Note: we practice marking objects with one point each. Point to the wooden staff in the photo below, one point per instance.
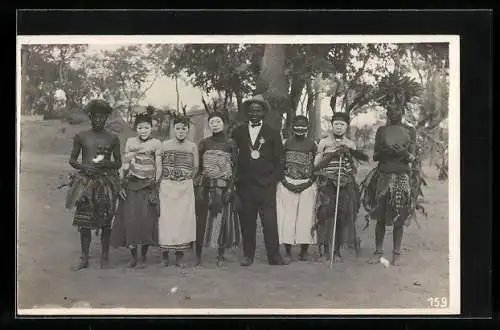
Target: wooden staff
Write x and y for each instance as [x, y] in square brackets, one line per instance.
[336, 214]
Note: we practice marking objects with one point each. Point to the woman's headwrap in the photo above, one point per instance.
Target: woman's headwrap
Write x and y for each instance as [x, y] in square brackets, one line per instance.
[143, 118]
[343, 116]
[98, 106]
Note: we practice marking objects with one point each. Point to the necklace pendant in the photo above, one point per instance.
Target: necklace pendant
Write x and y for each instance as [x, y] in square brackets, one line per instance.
[255, 154]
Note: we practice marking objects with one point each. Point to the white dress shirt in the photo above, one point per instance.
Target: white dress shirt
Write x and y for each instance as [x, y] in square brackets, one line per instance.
[254, 132]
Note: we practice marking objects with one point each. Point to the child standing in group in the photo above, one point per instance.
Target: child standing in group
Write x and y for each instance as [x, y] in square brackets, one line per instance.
[177, 222]
[137, 220]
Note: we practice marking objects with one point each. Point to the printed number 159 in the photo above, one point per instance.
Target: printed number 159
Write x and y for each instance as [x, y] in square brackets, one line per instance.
[438, 302]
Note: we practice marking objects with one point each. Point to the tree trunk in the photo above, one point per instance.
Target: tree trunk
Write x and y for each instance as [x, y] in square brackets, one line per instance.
[24, 83]
[315, 116]
[273, 76]
[239, 103]
[177, 92]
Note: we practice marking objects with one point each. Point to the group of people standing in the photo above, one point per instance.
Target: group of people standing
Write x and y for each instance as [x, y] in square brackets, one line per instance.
[179, 195]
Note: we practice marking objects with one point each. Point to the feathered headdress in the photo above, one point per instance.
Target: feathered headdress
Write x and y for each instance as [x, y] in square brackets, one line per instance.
[399, 89]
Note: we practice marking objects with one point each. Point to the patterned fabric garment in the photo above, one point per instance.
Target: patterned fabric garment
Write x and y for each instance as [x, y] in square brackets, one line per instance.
[95, 199]
[395, 188]
[331, 171]
[348, 207]
[387, 196]
[143, 166]
[298, 164]
[217, 164]
[217, 219]
[177, 165]
[140, 157]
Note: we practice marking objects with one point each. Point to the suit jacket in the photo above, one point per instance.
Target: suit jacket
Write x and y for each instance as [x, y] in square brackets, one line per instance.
[268, 169]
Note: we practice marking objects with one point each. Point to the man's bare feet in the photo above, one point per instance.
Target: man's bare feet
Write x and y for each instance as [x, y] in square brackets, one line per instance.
[220, 261]
[142, 264]
[84, 263]
[132, 263]
[395, 259]
[304, 256]
[104, 262]
[337, 258]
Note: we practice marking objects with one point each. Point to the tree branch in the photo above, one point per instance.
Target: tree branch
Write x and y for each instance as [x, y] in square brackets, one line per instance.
[412, 61]
[156, 76]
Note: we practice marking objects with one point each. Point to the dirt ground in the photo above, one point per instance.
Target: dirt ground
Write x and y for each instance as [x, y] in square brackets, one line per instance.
[48, 245]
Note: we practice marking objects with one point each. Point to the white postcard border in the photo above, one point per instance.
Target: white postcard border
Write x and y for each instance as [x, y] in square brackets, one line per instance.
[454, 160]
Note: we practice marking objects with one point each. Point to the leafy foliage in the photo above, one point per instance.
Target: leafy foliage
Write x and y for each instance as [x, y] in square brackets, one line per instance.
[398, 88]
[215, 67]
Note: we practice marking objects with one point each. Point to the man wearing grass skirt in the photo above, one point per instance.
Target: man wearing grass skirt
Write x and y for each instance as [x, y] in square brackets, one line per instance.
[94, 189]
[387, 189]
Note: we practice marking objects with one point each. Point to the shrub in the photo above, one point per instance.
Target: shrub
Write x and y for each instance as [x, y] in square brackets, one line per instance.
[76, 116]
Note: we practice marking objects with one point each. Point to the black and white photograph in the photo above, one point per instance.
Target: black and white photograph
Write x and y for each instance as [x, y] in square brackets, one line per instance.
[263, 174]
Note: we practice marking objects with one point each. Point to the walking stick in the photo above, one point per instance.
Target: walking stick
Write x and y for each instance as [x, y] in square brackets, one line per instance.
[332, 248]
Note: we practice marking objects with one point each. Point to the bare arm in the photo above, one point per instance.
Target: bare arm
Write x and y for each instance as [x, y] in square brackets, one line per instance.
[158, 161]
[126, 165]
[412, 147]
[75, 153]
[117, 156]
[378, 145]
[129, 153]
[196, 160]
[319, 152]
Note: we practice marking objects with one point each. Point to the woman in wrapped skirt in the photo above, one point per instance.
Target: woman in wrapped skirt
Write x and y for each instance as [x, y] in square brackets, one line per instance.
[137, 219]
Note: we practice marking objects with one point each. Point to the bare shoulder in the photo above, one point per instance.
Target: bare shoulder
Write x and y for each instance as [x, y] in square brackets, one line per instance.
[84, 134]
[350, 143]
[410, 129]
[167, 143]
[156, 143]
[112, 136]
[192, 145]
[323, 142]
[130, 140]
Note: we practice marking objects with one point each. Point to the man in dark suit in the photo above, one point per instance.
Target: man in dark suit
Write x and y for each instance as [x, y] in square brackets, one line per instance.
[260, 152]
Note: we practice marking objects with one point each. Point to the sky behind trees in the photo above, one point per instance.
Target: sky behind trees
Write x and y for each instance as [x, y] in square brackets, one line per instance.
[163, 93]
